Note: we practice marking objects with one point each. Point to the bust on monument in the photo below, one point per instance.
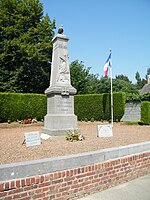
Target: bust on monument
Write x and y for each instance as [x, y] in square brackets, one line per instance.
[60, 30]
[60, 94]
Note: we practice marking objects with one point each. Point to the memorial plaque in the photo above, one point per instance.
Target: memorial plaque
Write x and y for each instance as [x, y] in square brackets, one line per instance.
[32, 139]
[104, 130]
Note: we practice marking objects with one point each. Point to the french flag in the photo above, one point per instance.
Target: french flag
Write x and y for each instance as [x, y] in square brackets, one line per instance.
[107, 64]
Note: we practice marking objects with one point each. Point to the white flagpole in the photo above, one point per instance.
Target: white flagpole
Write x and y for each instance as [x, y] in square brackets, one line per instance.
[111, 93]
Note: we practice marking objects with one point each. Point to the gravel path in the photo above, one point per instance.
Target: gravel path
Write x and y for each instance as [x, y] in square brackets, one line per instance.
[12, 136]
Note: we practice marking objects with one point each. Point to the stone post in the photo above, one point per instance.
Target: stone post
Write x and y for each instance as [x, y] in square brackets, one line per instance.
[60, 95]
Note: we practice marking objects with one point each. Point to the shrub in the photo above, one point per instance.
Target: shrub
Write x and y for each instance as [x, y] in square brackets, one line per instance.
[89, 106]
[98, 106]
[145, 113]
[119, 103]
[21, 106]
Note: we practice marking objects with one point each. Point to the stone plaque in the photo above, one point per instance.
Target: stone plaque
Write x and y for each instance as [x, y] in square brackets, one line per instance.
[104, 130]
[32, 139]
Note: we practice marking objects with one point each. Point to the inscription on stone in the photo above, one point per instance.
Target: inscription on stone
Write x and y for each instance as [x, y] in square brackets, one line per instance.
[62, 46]
[32, 139]
[104, 130]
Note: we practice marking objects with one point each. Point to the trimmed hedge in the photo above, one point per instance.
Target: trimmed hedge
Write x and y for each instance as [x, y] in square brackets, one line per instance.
[87, 107]
[19, 106]
[98, 106]
[145, 113]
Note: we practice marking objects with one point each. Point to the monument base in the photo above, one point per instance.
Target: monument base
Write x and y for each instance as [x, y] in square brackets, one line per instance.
[55, 125]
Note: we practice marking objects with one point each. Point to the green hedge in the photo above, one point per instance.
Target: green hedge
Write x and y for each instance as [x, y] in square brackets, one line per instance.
[95, 106]
[15, 106]
[145, 113]
[89, 106]
[98, 106]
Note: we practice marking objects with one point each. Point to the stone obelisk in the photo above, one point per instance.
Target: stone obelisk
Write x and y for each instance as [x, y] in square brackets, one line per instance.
[60, 95]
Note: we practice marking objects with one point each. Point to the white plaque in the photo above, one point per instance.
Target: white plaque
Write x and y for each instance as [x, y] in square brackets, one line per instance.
[32, 139]
[104, 130]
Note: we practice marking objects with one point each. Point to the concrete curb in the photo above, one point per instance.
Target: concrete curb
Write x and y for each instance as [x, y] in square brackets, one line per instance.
[43, 166]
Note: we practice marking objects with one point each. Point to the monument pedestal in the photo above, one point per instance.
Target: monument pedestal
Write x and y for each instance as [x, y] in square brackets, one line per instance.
[60, 113]
[60, 116]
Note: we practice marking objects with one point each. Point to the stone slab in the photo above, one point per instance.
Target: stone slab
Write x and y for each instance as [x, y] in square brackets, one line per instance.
[104, 130]
[32, 138]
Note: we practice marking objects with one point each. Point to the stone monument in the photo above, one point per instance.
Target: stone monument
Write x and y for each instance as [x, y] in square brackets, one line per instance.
[60, 95]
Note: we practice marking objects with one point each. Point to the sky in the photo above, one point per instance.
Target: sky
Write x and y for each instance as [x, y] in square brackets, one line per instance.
[95, 26]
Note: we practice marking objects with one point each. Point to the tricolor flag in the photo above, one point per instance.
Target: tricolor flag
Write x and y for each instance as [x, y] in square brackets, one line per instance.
[107, 64]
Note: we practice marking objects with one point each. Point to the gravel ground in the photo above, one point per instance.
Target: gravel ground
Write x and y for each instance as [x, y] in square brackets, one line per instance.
[12, 136]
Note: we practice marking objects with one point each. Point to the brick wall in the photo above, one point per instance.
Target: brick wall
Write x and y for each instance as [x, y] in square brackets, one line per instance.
[76, 182]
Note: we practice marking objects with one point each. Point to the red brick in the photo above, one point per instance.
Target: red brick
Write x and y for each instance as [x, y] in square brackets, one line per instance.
[3, 194]
[16, 196]
[39, 196]
[47, 177]
[15, 191]
[30, 187]
[117, 166]
[44, 184]
[42, 179]
[60, 198]
[1, 186]
[27, 181]
[52, 197]
[64, 189]
[45, 189]
[63, 174]
[22, 182]
[32, 180]
[52, 188]
[51, 176]
[6, 186]
[67, 173]
[75, 171]
[18, 183]
[8, 198]
[24, 194]
[26, 198]
[57, 181]
[69, 179]
[37, 179]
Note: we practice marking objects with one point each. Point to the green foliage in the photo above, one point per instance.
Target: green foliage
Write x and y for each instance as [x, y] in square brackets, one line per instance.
[119, 85]
[26, 47]
[89, 106]
[119, 102]
[82, 80]
[140, 82]
[20, 106]
[145, 97]
[97, 106]
[145, 113]
[137, 97]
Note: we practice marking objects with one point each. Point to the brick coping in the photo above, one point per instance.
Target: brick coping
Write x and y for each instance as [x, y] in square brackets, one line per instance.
[47, 165]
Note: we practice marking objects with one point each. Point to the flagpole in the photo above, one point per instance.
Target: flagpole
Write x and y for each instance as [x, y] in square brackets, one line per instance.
[111, 92]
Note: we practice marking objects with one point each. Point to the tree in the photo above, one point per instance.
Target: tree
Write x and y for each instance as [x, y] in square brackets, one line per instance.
[104, 85]
[140, 82]
[82, 80]
[26, 47]
[119, 85]
[122, 85]
[123, 77]
[79, 76]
